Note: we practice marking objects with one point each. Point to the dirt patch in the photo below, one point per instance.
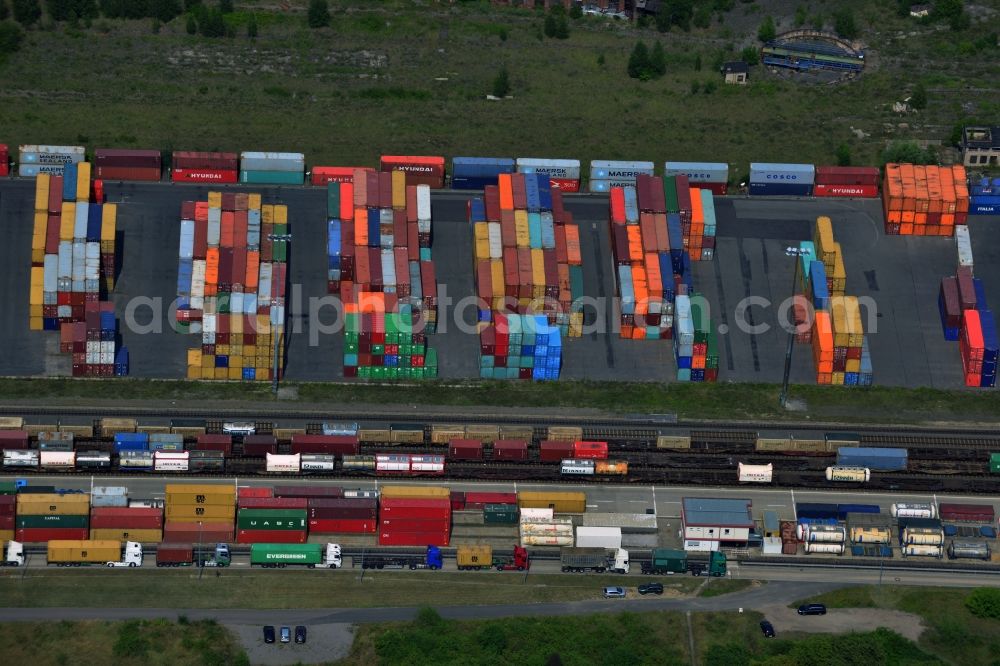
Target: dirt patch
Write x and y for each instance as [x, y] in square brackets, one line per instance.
[324, 643]
[842, 620]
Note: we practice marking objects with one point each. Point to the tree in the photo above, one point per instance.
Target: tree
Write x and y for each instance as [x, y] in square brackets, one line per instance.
[600, 60]
[679, 13]
[907, 152]
[703, 17]
[319, 14]
[60, 10]
[843, 155]
[984, 602]
[550, 26]
[562, 28]
[4, 12]
[844, 25]
[638, 62]
[767, 31]
[165, 10]
[800, 16]
[11, 36]
[27, 12]
[918, 100]
[501, 84]
[658, 60]
[697, 63]
[192, 25]
[252, 27]
[576, 11]
[226, 6]
[750, 55]
[191, 4]
[211, 23]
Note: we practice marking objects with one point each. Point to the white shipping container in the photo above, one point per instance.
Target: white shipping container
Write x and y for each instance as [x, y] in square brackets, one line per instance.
[208, 323]
[547, 540]
[57, 458]
[388, 268]
[20, 458]
[250, 304]
[214, 226]
[50, 273]
[700, 545]
[599, 537]
[528, 515]
[423, 202]
[171, 461]
[427, 463]
[315, 462]
[236, 301]
[495, 240]
[264, 284]
[554, 168]
[922, 551]
[964, 243]
[80, 222]
[187, 239]
[197, 280]
[698, 172]
[755, 473]
[619, 170]
[284, 463]
[41, 154]
[539, 529]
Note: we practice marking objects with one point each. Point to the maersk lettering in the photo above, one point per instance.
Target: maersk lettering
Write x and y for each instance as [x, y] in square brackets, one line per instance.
[624, 174]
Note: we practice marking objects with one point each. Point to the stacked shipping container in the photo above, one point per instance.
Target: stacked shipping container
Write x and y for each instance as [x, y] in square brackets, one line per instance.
[144, 525]
[475, 173]
[34, 160]
[527, 252]
[966, 317]
[193, 167]
[696, 346]
[199, 513]
[343, 515]
[72, 268]
[323, 175]
[924, 200]
[272, 520]
[272, 168]
[605, 174]
[4, 160]
[47, 516]
[418, 170]
[414, 516]
[781, 179]
[711, 176]
[8, 510]
[984, 197]
[231, 285]
[127, 164]
[385, 345]
[562, 174]
[520, 347]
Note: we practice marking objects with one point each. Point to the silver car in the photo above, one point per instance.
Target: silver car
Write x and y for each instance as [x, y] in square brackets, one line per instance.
[614, 593]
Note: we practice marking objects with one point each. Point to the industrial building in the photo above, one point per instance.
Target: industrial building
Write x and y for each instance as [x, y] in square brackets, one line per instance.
[714, 523]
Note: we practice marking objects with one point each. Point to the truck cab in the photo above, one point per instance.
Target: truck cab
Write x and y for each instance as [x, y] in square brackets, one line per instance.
[434, 559]
[332, 556]
[620, 561]
[222, 556]
[131, 556]
[13, 554]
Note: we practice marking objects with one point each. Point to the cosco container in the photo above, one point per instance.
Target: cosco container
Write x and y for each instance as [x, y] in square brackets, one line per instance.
[765, 172]
[698, 172]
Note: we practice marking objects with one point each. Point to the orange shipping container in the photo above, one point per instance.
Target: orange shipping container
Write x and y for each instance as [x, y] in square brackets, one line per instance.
[634, 234]
[506, 192]
[253, 270]
[347, 202]
[361, 227]
[697, 214]
[573, 245]
[226, 231]
[211, 267]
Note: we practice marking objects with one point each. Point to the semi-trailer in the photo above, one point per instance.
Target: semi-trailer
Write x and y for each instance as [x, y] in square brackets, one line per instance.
[430, 560]
[84, 553]
[186, 555]
[312, 555]
[599, 560]
[483, 557]
[666, 562]
[13, 555]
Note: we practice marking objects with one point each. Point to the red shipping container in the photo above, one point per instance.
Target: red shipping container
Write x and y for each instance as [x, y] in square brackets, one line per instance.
[321, 175]
[127, 157]
[845, 190]
[259, 445]
[270, 536]
[255, 492]
[465, 449]
[847, 175]
[590, 450]
[420, 170]
[970, 513]
[342, 526]
[334, 444]
[417, 511]
[7, 502]
[174, 553]
[222, 443]
[457, 500]
[413, 539]
[188, 532]
[122, 517]
[510, 449]
[4, 160]
[343, 513]
[565, 184]
[7, 521]
[127, 173]
[273, 503]
[309, 491]
[555, 451]
[13, 439]
[204, 175]
[480, 500]
[41, 534]
[183, 159]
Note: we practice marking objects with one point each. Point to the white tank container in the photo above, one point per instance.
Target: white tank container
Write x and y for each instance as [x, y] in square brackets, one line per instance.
[756, 473]
[821, 533]
[921, 551]
[855, 474]
[913, 510]
[827, 548]
[923, 536]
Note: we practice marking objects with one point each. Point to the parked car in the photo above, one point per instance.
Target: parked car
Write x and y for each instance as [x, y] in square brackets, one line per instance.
[767, 629]
[268, 634]
[286, 635]
[300, 634]
[651, 588]
[614, 593]
[812, 609]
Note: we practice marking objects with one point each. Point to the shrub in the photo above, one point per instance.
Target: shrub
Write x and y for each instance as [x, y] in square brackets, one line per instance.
[984, 602]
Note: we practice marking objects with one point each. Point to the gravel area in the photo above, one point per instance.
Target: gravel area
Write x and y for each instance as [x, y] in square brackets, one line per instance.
[841, 620]
[324, 643]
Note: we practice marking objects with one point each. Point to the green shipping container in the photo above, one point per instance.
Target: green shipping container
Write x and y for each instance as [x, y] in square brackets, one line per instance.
[271, 519]
[272, 177]
[28, 521]
[333, 200]
[8, 488]
[500, 514]
[286, 553]
[670, 195]
[995, 463]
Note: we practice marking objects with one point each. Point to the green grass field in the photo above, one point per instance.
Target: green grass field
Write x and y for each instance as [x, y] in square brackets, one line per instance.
[303, 589]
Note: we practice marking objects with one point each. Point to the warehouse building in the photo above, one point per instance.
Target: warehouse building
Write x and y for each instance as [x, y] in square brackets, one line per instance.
[981, 146]
[713, 523]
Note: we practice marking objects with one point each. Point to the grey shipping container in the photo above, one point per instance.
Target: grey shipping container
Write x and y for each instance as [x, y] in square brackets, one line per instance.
[881, 459]
[698, 172]
[255, 161]
[765, 172]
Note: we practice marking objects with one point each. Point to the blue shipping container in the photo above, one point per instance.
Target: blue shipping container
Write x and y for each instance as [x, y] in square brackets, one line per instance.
[816, 511]
[877, 459]
[481, 167]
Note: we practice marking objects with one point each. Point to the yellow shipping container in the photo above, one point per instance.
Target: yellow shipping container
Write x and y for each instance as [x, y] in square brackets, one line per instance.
[215, 199]
[234, 373]
[838, 379]
[35, 311]
[194, 372]
[194, 512]
[481, 241]
[483, 433]
[399, 190]
[267, 214]
[35, 293]
[76, 499]
[42, 192]
[208, 361]
[253, 201]
[526, 433]
[40, 227]
[154, 430]
[84, 551]
[222, 350]
[560, 502]
[852, 365]
[838, 316]
[112, 534]
[53, 508]
[109, 222]
[83, 182]
[565, 433]
[5, 536]
[496, 277]
[78, 430]
[537, 268]
[194, 356]
[286, 433]
[280, 214]
[522, 237]
[195, 490]
[474, 557]
[416, 492]
[208, 373]
[11, 422]
[67, 221]
[111, 426]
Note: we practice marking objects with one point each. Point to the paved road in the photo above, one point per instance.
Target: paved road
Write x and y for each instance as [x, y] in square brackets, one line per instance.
[766, 595]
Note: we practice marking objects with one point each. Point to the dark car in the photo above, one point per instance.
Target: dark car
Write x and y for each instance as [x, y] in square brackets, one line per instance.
[286, 635]
[651, 588]
[300, 634]
[268, 634]
[767, 629]
[812, 609]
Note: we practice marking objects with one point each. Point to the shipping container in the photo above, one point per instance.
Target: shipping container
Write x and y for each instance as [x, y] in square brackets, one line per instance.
[763, 172]
[970, 513]
[560, 502]
[698, 172]
[878, 459]
[81, 551]
[335, 444]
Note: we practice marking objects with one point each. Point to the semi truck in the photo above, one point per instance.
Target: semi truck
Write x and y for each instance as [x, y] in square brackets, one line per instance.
[665, 562]
[430, 560]
[186, 555]
[599, 560]
[83, 553]
[715, 566]
[312, 555]
[13, 555]
[482, 557]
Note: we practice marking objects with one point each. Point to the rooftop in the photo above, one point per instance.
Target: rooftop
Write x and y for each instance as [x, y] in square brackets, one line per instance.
[982, 137]
[735, 67]
[717, 511]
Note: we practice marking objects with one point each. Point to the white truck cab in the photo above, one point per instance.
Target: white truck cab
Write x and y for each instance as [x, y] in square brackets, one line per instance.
[131, 556]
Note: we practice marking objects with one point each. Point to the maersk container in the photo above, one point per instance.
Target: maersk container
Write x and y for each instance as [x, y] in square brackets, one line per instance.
[874, 458]
[258, 161]
[781, 189]
[605, 184]
[33, 154]
[272, 177]
[619, 170]
[698, 172]
[766, 172]
[554, 168]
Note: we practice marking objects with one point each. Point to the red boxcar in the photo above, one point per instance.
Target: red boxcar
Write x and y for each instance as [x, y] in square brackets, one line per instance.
[259, 445]
[969, 513]
[510, 449]
[13, 439]
[590, 450]
[329, 444]
[222, 443]
[465, 449]
[555, 451]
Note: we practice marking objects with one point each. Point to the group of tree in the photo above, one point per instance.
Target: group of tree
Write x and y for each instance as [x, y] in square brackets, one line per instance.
[556, 25]
[29, 12]
[646, 65]
[319, 14]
